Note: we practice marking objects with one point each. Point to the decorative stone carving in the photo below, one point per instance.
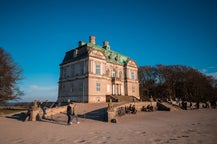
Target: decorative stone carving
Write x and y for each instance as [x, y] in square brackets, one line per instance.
[97, 54]
[110, 106]
[131, 63]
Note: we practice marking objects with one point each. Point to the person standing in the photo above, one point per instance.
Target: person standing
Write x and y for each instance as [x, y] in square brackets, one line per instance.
[69, 113]
[75, 113]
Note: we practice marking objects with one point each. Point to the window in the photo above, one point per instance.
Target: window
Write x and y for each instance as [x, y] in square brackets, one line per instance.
[97, 86]
[80, 69]
[72, 88]
[75, 53]
[133, 89]
[72, 70]
[64, 74]
[81, 87]
[63, 87]
[113, 73]
[98, 69]
[132, 76]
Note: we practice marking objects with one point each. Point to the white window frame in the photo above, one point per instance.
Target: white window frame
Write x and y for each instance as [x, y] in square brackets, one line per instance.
[98, 69]
[132, 75]
[113, 73]
[98, 87]
[133, 89]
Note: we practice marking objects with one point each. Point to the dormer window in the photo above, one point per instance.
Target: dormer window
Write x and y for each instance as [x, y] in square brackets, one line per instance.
[75, 53]
[117, 58]
[110, 56]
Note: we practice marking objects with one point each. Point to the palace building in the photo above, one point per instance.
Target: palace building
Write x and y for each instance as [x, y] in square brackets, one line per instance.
[90, 73]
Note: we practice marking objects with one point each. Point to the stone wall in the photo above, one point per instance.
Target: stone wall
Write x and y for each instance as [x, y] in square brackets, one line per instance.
[37, 113]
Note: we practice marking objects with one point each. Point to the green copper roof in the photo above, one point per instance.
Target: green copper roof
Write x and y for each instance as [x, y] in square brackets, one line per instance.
[112, 56]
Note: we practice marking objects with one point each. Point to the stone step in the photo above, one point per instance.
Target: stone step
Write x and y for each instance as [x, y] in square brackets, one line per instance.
[172, 107]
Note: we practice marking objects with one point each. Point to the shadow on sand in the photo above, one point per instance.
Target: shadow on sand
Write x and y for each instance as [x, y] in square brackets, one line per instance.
[18, 116]
[98, 115]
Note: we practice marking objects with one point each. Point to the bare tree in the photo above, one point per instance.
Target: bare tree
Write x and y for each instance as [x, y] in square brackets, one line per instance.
[176, 81]
[10, 73]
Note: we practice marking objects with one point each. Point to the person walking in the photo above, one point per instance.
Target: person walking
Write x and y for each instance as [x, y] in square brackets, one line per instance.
[75, 113]
[69, 113]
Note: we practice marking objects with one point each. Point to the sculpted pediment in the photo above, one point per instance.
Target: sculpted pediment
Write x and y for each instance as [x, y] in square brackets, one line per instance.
[98, 54]
[131, 63]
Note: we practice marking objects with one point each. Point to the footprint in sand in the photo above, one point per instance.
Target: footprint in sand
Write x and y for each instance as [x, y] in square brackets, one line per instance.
[143, 133]
[19, 141]
[183, 136]
[106, 137]
[79, 141]
[157, 140]
[173, 139]
[191, 130]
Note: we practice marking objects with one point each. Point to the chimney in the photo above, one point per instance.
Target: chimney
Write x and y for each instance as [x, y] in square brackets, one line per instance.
[105, 44]
[92, 39]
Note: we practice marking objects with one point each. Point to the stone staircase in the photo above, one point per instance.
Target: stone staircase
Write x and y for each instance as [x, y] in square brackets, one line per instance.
[115, 98]
[171, 106]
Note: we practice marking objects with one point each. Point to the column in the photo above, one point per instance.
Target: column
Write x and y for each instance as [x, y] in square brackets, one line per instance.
[113, 89]
[120, 90]
[117, 89]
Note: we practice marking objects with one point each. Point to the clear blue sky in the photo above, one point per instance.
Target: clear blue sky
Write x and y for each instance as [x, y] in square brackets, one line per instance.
[37, 33]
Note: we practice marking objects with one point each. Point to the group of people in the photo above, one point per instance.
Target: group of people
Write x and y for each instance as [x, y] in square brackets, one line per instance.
[149, 108]
[72, 113]
[126, 110]
[131, 109]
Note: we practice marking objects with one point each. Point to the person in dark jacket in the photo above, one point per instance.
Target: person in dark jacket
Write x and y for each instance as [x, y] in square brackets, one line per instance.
[69, 114]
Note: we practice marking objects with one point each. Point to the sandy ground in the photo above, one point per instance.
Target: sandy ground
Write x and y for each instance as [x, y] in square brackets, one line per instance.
[182, 127]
